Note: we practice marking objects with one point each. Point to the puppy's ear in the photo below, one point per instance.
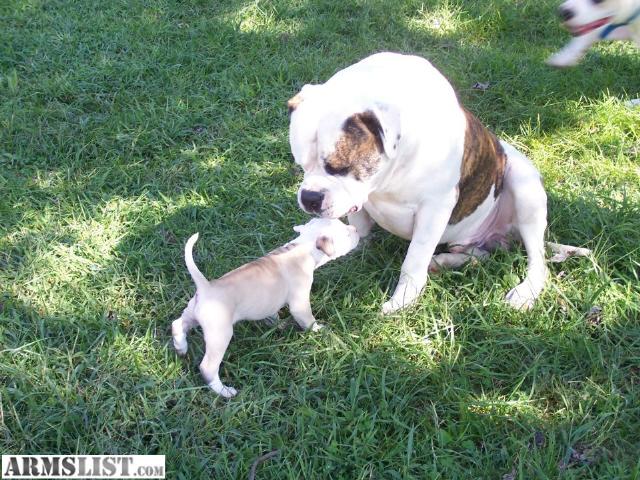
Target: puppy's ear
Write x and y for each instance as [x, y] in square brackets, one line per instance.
[303, 94]
[298, 228]
[325, 244]
[384, 123]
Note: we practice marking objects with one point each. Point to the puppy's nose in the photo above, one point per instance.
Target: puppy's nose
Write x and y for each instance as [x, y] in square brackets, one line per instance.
[566, 14]
[311, 201]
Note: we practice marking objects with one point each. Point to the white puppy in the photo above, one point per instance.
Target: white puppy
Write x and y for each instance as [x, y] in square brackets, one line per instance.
[386, 141]
[590, 21]
[258, 290]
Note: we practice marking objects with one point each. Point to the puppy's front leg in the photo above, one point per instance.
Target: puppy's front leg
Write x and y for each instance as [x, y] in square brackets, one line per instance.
[362, 221]
[571, 54]
[300, 308]
[429, 225]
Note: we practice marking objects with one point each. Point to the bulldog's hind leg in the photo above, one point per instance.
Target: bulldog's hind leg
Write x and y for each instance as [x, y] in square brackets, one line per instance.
[523, 182]
[562, 252]
[454, 260]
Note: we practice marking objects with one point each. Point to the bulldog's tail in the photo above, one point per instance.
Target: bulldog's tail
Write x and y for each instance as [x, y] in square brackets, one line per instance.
[562, 252]
[198, 278]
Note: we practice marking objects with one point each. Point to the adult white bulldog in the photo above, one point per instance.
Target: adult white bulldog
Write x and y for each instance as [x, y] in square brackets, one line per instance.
[590, 21]
[386, 141]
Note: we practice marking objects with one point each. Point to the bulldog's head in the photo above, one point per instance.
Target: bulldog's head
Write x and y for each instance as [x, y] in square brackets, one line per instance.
[583, 16]
[341, 146]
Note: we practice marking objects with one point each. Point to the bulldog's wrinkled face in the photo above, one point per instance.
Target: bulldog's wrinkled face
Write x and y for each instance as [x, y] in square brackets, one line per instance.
[340, 152]
[583, 16]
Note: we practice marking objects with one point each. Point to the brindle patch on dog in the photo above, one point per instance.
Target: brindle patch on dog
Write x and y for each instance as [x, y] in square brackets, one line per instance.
[483, 164]
[358, 149]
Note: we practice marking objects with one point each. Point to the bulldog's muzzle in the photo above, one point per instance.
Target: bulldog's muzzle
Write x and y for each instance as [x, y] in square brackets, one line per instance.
[311, 201]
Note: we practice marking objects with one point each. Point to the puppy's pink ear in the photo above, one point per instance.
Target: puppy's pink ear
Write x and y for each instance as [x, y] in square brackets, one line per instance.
[298, 228]
[325, 244]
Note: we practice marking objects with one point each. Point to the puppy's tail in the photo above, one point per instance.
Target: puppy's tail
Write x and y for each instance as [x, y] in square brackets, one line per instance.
[198, 278]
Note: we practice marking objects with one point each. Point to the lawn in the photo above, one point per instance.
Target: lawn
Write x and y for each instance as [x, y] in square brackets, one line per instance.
[126, 126]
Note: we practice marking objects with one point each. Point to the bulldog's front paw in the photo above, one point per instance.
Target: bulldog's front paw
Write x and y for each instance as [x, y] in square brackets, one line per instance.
[521, 297]
[563, 59]
[391, 306]
[316, 327]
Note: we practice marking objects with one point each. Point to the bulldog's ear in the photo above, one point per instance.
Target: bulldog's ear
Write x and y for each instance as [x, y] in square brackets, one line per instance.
[302, 95]
[293, 102]
[298, 228]
[325, 244]
[384, 124]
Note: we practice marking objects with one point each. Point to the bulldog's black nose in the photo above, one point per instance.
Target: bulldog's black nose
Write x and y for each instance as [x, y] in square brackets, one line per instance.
[566, 14]
[311, 201]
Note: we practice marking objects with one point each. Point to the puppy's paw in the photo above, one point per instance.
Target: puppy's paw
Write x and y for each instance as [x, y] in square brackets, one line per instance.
[180, 344]
[563, 59]
[228, 392]
[316, 327]
[223, 390]
[521, 297]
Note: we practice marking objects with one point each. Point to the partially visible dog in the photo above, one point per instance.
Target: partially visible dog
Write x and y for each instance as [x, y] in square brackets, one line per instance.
[386, 141]
[258, 290]
[590, 21]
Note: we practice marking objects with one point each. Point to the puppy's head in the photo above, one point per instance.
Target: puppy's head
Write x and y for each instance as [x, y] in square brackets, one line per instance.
[341, 146]
[583, 16]
[330, 236]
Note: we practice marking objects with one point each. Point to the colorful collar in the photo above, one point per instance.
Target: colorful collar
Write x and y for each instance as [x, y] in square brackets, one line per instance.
[611, 27]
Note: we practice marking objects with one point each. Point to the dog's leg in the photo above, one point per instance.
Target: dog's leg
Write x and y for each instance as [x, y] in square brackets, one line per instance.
[562, 252]
[300, 307]
[530, 204]
[181, 326]
[362, 221]
[429, 225]
[573, 52]
[217, 335]
[455, 260]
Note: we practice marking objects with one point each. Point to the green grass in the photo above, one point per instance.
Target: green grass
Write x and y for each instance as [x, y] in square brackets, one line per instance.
[127, 126]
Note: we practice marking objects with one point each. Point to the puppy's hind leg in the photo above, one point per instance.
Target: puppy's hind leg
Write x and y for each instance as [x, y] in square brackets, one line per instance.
[181, 326]
[217, 326]
[530, 204]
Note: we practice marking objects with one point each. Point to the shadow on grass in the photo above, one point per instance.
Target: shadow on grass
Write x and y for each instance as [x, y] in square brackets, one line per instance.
[466, 402]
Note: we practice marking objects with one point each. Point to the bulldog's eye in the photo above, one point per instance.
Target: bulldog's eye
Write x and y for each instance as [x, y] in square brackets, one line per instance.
[331, 170]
